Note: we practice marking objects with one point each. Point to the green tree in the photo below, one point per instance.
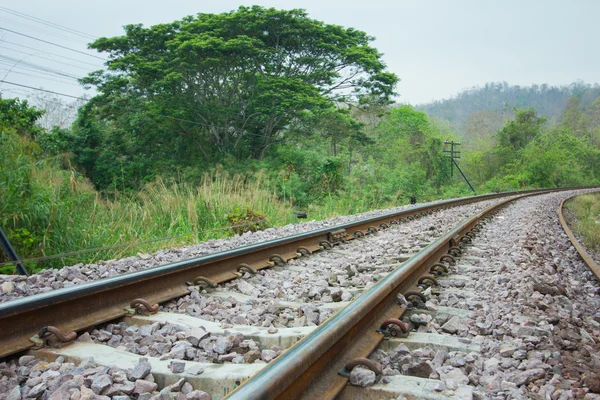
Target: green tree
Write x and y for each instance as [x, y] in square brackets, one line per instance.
[525, 127]
[574, 120]
[17, 114]
[242, 77]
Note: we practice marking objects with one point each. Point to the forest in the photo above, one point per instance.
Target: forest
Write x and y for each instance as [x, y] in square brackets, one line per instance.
[218, 124]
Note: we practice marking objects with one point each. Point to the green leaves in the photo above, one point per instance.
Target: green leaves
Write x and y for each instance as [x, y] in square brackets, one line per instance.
[233, 81]
[524, 128]
[18, 115]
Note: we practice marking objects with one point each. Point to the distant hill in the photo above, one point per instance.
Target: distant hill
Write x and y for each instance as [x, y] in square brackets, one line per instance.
[493, 103]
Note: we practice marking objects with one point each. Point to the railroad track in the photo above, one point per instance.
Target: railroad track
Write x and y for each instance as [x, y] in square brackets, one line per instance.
[317, 366]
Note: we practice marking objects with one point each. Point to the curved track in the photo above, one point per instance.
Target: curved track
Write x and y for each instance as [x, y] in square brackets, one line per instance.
[594, 267]
[319, 364]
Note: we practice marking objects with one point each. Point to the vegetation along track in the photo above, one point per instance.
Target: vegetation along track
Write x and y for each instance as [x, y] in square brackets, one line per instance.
[309, 369]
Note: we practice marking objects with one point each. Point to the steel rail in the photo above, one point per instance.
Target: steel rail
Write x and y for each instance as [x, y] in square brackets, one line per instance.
[587, 259]
[310, 369]
[85, 305]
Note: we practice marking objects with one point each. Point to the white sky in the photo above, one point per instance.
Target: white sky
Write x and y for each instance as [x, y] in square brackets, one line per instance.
[436, 47]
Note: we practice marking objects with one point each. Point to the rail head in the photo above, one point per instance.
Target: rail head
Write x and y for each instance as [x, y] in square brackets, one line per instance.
[302, 368]
[84, 305]
[85, 289]
[585, 256]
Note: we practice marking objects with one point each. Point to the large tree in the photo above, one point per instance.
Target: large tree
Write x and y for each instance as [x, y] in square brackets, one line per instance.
[230, 83]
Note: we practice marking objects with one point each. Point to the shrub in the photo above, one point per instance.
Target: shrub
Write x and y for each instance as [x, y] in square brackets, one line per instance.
[246, 220]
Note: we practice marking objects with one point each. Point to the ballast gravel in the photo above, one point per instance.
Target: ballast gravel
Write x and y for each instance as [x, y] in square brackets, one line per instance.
[317, 281]
[30, 378]
[534, 305]
[15, 286]
[340, 275]
[171, 342]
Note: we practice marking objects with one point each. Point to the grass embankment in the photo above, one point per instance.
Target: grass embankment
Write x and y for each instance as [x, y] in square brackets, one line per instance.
[61, 213]
[585, 210]
[47, 209]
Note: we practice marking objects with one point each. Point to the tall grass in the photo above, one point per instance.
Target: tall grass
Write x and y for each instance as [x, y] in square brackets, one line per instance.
[586, 210]
[47, 210]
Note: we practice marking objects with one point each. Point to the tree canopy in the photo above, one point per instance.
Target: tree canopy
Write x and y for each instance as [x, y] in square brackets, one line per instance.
[213, 85]
[19, 115]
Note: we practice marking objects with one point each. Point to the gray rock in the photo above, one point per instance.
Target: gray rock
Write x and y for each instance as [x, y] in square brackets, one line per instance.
[402, 349]
[198, 395]
[457, 361]
[507, 351]
[25, 360]
[165, 394]
[268, 355]
[142, 386]
[101, 382]
[222, 345]
[421, 319]
[15, 393]
[422, 369]
[195, 369]
[104, 335]
[125, 387]
[454, 374]
[452, 325]
[141, 370]
[37, 390]
[195, 335]
[177, 367]
[246, 288]
[7, 287]
[176, 387]
[525, 377]
[88, 363]
[362, 377]
[440, 357]
[85, 338]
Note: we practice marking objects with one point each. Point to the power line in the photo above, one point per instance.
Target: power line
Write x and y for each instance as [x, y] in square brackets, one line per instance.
[13, 67]
[64, 37]
[39, 76]
[43, 67]
[44, 90]
[53, 44]
[47, 52]
[46, 58]
[48, 23]
[35, 67]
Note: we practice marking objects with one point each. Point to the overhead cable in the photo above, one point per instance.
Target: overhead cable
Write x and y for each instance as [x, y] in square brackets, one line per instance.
[47, 52]
[53, 44]
[48, 23]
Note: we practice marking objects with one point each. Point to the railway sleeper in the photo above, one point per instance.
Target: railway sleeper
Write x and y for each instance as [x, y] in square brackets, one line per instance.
[284, 337]
[413, 388]
[217, 379]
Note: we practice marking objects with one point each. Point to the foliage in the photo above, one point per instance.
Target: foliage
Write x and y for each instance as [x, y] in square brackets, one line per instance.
[246, 220]
[517, 133]
[19, 116]
[584, 218]
[221, 124]
[499, 98]
[215, 85]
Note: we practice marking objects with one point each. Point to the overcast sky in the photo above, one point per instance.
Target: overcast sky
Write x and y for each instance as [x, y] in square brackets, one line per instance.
[436, 47]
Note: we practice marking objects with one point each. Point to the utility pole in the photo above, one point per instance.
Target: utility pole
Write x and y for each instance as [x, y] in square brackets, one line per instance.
[453, 154]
